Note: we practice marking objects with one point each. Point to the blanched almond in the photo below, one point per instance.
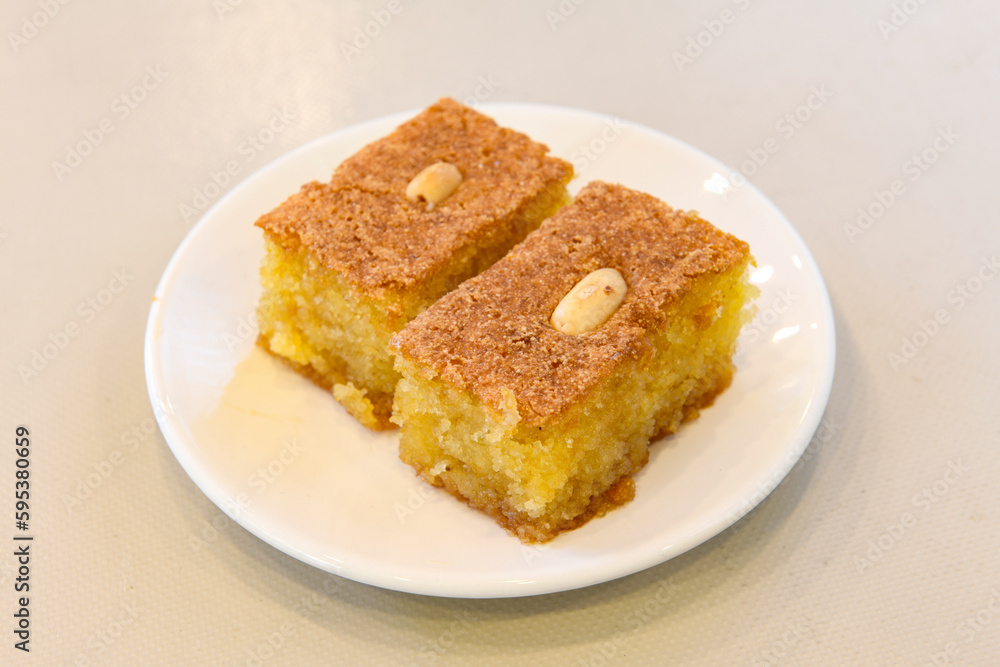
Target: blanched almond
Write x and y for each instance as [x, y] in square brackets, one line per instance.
[590, 303]
[434, 184]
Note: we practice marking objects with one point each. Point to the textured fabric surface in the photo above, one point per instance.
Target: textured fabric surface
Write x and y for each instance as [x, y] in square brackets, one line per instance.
[871, 125]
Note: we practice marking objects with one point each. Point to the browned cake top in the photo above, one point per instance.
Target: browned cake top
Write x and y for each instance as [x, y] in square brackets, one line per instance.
[493, 332]
[362, 225]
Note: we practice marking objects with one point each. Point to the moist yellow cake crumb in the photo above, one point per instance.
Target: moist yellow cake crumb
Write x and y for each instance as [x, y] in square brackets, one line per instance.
[543, 430]
[350, 261]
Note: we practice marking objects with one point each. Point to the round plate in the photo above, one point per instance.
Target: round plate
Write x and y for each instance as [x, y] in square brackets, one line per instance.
[284, 460]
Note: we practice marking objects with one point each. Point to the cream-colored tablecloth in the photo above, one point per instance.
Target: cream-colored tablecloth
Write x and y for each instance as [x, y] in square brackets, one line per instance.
[872, 125]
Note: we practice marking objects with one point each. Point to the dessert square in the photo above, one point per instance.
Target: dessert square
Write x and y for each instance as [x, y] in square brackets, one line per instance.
[542, 429]
[403, 221]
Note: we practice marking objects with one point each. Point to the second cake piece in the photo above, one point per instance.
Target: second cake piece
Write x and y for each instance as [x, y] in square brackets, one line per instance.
[403, 221]
[533, 390]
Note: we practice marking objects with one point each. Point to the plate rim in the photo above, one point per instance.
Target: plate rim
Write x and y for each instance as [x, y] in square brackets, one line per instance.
[174, 435]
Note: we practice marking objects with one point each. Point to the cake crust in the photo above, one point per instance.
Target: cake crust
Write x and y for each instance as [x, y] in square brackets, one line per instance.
[361, 224]
[492, 334]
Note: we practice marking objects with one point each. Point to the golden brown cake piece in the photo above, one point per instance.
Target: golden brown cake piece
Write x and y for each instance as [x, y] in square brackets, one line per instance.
[541, 429]
[349, 262]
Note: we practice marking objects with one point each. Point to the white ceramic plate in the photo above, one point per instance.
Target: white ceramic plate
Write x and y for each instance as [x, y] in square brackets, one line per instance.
[284, 460]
